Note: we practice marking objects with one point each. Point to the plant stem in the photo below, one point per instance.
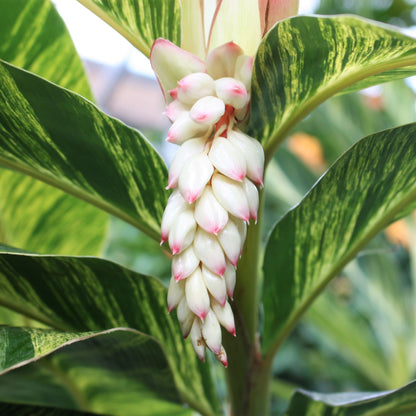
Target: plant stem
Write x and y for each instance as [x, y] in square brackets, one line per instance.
[248, 375]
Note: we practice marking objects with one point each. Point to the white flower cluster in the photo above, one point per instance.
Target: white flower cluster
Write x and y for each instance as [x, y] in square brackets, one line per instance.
[214, 176]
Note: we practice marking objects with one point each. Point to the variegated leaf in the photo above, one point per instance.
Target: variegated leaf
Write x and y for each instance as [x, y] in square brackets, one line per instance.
[306, 59]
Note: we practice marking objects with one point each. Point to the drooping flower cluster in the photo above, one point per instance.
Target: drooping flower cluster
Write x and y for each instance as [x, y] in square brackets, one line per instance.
[214, 176]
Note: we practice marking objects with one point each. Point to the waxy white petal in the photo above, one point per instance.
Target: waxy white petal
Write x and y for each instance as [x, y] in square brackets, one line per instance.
[195, 86]
[174, 110]
[185, 317]
[230, 240]
[176, 204]
[184, 264]
[209, 250]
[230, 279]
[252, 195]
[194, 176]
[215, 285]
[197, 295]
[172, 64]
[222, 357]
[243, 70]
[253, 153]
[232, 92]
[221, 61]
[242, 229]
[207, 110]
[224, 315]
[197, 339]
[211, 331]
[182, 232]
[184, 153]
[231, 196]
[184, 128]
[176, 292]
[227, 159]
[209, 213]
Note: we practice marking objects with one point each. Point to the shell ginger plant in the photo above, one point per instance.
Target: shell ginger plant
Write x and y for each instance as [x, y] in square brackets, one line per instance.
[83, 334]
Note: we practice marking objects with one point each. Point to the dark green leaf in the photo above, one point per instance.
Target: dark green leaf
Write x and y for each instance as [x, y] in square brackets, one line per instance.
[362, 192]
[109, 372]
[305, 60]
[9, 409]
[90, 294]
[387, 403]
[140, 21]
[79, 149]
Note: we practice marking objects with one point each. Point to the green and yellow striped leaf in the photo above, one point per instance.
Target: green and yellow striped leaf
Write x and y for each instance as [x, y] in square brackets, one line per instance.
[386, 403]
[60, 138]
[357, 197]
[306, 59]
[33, 215]
[140, 21]
[91, 294]
[110, 372]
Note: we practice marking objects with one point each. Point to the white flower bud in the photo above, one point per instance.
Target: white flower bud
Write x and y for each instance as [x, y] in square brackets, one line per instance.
[230, 240]
[176, 204]
[182, 232]
[227, 159]
[252, 197]
[197, 340]
[215, 285]
[194, 176]
[231, 196]
[184, 128]
[253, 153]
[174, 110]
[230, 279]
[197, 295]
[190, 148]
[244, 69]
[211, 332]
[221, 61]
[185, 317]
[176, 293]
[209, 250]
[222, 357]
[242, 229]
[207, 110]
[209, 213]
[184, 264]
[224, 315]
[232, 92]
[195, 86]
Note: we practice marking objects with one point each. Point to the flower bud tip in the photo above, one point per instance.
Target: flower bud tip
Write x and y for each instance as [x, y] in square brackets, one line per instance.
[175, 249]
[174, 93]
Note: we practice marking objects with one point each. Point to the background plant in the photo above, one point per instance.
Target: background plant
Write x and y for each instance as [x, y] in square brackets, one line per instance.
[88, 335]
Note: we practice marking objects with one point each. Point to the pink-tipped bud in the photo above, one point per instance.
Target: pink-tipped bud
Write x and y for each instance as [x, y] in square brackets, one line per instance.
[176, 204]
[231, 196]
[232, 92]
[209, 213]
[184, 264]
[182, 233]
[211, 331]
[215, 285]
[194, 176]
[174, 110]
[230, 240]
[195, 86]
[185, 152]
[185, 317]
[242, 229]
[244, 69]
[253, 153]
[224, 315]
[197, 340]
[228, 159]
[207, 110]
[222, 357]
[197, 295]
[184, 128]
[252, 197]
[209, 251]
[230, 279]
[221, 61]
[176, 293]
